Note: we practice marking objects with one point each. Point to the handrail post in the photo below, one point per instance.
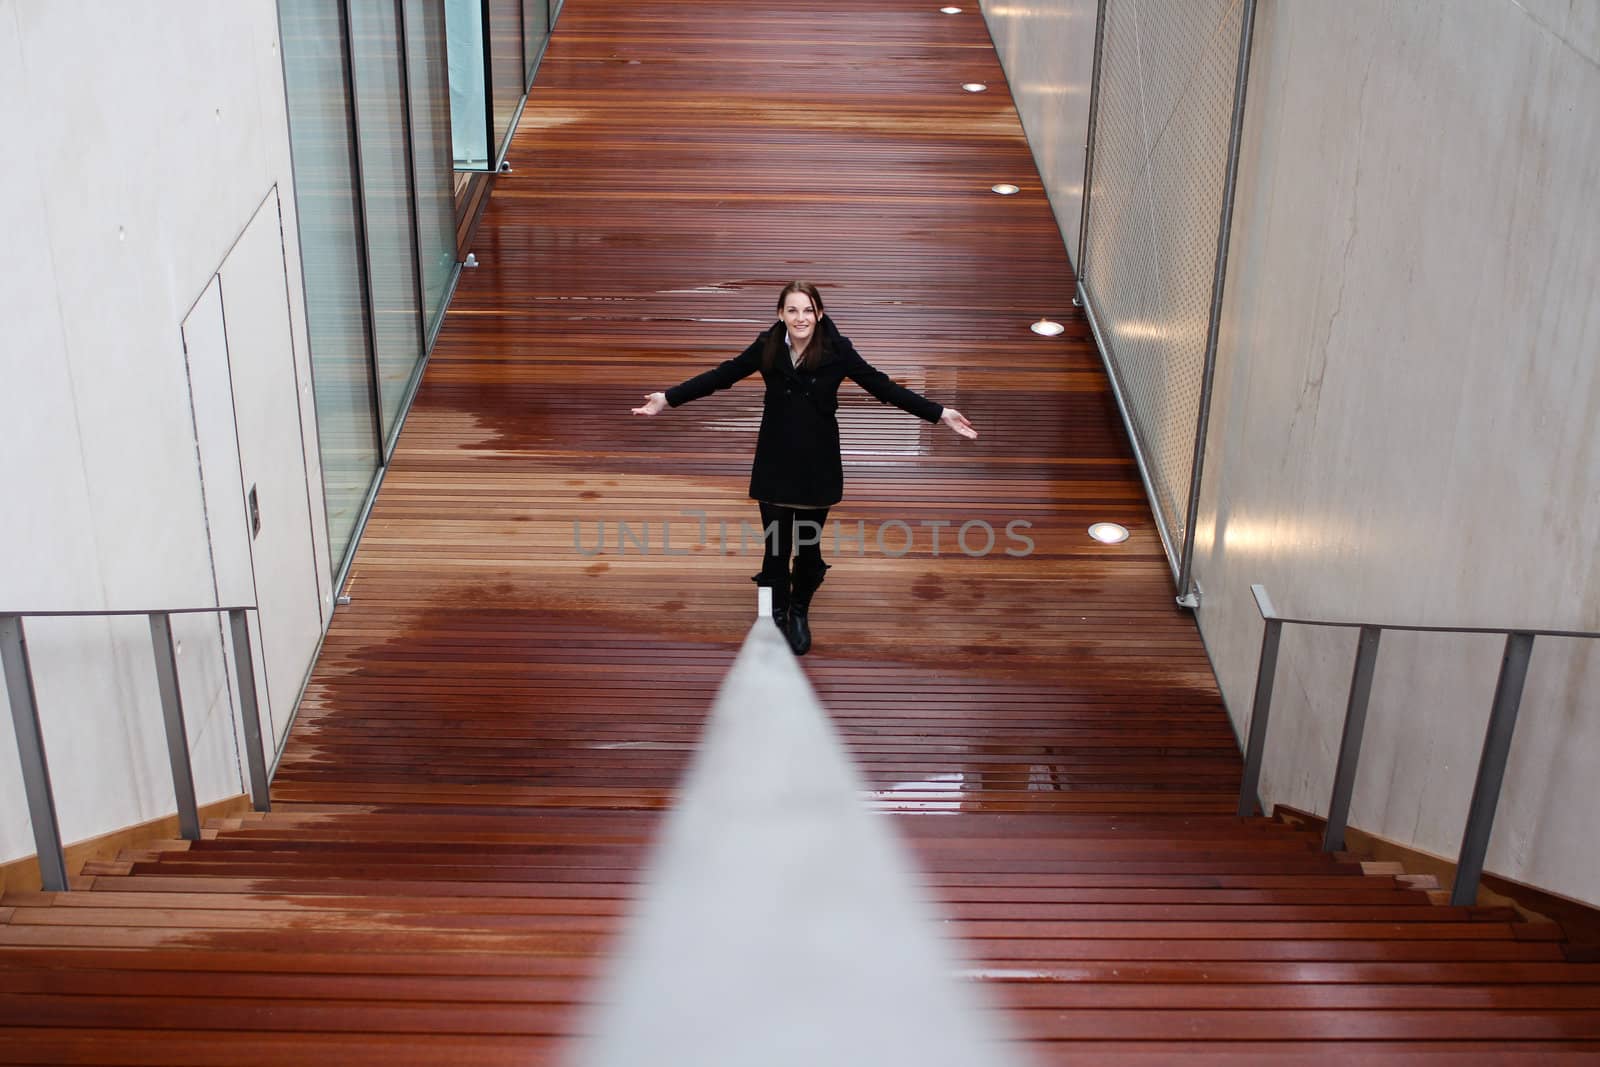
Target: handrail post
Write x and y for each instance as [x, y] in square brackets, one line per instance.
[1079, 274]
[1355, 722]
[30, 750]
[1266, 672]
[250, 711]
[172, 716]
[1492, 767]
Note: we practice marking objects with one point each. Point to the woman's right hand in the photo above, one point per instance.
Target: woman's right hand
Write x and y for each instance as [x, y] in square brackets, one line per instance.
[654, 404]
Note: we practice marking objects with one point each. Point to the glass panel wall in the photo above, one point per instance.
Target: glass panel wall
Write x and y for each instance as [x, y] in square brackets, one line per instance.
[431, 153]
[469, 99]
[508, 78]
[492, 76]
[322, 137]
[535, 34]
[369, 123]
[384, 151]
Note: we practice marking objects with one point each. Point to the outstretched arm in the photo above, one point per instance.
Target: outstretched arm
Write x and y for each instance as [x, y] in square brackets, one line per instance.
[889, 391]
[721, 376]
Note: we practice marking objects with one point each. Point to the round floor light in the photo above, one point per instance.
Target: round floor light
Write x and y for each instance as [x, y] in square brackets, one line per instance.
[951, 10]
[1005, 189]
[1109, 533]
[974, 87]
[1046, 328]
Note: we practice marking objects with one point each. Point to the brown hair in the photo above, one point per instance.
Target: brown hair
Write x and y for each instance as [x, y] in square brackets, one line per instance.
[819, 345]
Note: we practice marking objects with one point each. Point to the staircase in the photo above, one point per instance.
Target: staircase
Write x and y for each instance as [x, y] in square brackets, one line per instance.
[340, 934]
[497, 719]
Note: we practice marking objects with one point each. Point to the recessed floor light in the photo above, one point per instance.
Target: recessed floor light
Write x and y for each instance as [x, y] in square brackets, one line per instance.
[1108, 533]
[1005, 189]
[1047, 328]
[974, 87]
[951, 10]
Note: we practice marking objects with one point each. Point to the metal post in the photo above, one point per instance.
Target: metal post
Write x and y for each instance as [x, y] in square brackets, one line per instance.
[172, 716]
[1355, 721]
[1491, 767]
[491, 154]
[1266, 671]
[250, 711]
[404, 44]
[30, 750]
[1186, 592]
[365, 275]
[1088, 150]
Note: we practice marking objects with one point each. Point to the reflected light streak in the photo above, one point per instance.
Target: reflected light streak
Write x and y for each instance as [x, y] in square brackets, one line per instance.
[936, 785]
[1142, 331]
[1018, 11]
[1283, 537]
[1036, 89]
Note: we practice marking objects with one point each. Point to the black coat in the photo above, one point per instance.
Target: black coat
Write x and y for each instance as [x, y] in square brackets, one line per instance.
[797, 451]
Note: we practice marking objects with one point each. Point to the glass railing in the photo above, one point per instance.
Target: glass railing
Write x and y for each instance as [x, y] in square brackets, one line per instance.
[494, 48]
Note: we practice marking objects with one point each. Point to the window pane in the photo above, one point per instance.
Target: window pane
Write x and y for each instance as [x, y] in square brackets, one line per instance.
[535, 31]
[505, 47]
[430, 140]
[383, 142]
[321, 132]
[469, 122]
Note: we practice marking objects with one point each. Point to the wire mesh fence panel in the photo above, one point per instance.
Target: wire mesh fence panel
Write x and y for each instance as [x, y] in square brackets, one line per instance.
[1165, 108]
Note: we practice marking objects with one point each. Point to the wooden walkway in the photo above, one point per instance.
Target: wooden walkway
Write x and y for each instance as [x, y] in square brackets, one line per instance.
[501, 713]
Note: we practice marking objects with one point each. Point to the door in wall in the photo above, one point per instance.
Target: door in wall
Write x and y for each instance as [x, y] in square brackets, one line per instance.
[251, 425]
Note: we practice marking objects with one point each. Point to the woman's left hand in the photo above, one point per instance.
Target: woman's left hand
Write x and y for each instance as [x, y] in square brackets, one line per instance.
[958, 422]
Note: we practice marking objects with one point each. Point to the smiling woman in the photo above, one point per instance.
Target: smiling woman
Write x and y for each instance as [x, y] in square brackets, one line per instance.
[798, 473]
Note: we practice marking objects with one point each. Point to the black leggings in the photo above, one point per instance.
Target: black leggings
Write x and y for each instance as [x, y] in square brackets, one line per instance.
[781, 542]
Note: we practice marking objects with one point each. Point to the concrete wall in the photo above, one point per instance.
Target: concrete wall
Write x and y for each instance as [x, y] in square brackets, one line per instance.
[1406, 396]
[1047, 50]
[1406, 408]
[146, 145]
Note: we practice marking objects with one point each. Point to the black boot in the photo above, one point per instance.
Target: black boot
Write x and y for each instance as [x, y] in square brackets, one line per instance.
[807, 577]
[774, 575]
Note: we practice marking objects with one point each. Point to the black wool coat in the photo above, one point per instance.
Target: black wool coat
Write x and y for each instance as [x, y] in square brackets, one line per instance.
[797, 450]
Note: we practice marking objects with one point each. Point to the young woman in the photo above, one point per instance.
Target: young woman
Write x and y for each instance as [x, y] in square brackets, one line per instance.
[798, 474]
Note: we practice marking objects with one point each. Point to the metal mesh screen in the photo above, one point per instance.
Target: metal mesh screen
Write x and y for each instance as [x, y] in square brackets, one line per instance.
[1167, 70]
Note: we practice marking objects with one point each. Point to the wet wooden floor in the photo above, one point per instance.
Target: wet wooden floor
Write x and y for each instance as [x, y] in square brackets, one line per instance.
[503, 710]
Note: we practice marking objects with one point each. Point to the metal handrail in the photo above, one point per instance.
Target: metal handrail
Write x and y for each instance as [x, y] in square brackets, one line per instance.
[1496, 742]
[30, 738]
[111, 613]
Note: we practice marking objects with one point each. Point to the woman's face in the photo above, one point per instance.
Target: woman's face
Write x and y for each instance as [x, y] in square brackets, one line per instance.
[800, 318]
